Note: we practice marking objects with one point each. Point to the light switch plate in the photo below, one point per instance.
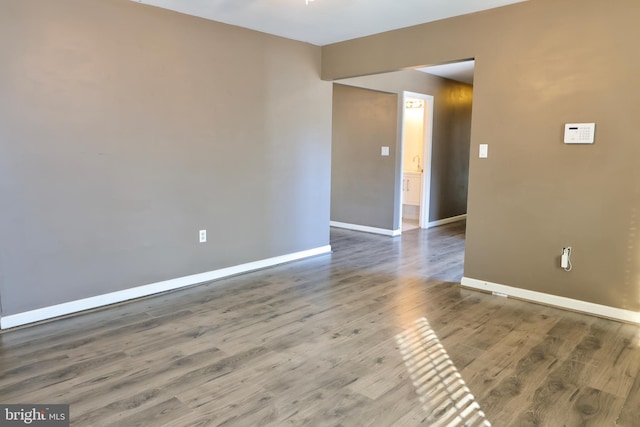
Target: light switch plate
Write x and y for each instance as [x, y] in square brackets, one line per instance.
[484, 151]
[384, 151]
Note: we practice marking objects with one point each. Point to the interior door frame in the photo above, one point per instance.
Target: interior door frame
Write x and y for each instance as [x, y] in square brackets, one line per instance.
[427, 143]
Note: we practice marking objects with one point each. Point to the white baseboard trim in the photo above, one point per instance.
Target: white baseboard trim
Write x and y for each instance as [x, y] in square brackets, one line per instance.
[554, 300]
[446, 220]
[366, 229]
[151, 289]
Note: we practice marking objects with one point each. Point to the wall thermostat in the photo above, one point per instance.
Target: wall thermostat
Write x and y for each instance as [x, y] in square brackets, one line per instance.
[579, 133]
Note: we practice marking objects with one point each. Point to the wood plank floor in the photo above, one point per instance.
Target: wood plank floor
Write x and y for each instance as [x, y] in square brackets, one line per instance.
[378, 333]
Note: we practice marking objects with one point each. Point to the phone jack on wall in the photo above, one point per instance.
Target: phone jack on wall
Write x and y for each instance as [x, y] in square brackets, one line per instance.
[565, 259]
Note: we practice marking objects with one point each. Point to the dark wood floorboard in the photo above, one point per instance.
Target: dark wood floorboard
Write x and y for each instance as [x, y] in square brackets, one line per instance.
[378, 333]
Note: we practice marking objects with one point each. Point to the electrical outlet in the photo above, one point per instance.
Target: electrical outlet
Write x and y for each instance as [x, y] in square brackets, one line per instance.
[203, 236]
[565, 259]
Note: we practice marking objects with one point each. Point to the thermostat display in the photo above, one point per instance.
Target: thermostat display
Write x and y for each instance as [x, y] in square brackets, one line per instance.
[579, 133]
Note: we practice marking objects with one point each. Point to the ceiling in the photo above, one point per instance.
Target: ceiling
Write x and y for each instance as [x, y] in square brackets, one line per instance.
[460, 71]
[322, 22]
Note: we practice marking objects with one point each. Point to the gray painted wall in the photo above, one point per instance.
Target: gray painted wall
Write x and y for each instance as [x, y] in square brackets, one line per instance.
[362, 180]
[451, 137]
[535, 71]
[124, 129]
[450, 151]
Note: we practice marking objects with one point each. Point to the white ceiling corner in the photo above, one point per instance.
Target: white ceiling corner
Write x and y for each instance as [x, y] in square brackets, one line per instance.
[322, 22]
[460, 71]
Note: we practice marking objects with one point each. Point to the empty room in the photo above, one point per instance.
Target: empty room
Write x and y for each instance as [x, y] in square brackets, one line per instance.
[319, 212]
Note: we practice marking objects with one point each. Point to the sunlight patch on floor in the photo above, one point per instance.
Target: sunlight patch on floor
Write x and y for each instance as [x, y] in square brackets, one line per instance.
[441, 389]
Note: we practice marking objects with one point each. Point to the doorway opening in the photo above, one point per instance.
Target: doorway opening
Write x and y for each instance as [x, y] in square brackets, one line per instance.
[416, 137]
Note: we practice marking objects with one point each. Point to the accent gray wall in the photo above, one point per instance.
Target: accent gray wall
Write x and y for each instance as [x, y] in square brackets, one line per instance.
[450, 140]
[124, 129]
[450, 151]
[362, 180]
